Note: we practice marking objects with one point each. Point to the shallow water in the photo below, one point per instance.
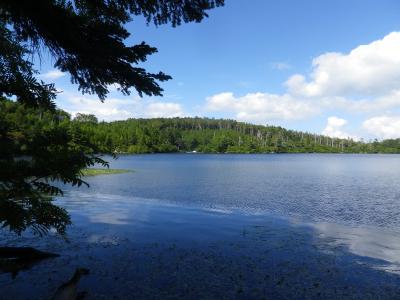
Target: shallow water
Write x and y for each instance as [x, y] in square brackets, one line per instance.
[228, 226]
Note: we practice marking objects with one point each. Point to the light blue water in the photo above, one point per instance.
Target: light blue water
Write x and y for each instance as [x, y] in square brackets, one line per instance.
[194, 226]
[345, 189]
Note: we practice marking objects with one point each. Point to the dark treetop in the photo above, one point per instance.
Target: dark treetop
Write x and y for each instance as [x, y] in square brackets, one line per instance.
[86, 38]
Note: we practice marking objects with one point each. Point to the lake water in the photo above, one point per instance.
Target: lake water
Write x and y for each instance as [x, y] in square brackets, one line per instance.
[194, 226]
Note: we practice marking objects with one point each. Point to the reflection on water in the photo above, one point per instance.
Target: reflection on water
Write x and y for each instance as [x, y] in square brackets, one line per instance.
[347, 189]
[140, 248]
[351, 199]
[212, 227]
[116, 217]
[142, 216]
[363, 241]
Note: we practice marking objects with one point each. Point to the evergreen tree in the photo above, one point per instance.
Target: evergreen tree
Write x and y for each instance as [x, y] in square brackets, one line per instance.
[38, 144]
[217, 136]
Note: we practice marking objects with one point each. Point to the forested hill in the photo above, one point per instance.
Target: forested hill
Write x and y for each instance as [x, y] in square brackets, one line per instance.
[163, 135]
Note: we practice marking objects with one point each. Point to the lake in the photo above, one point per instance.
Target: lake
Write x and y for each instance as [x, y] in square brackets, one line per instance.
[199, 226]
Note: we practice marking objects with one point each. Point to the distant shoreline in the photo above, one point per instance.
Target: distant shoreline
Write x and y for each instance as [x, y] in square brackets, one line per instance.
[96, 172]
[251, 153]
[204, 135]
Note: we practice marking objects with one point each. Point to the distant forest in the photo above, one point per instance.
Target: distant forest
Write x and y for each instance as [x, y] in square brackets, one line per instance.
[165, 135]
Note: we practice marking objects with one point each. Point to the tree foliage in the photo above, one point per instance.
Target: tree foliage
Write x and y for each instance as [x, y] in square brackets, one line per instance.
[38, 148]
[17, 74]
[218, 136]
[38, 144]
[89, 118]
[86, 37]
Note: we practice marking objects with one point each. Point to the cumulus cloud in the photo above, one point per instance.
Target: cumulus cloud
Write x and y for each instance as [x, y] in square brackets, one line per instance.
[372, 69]
[380, 103]
[363, 81]
[120, 109]
[164, 110]
[112, 109]
[261, 107]
[334, 128]
[387, 127]
[53, 74]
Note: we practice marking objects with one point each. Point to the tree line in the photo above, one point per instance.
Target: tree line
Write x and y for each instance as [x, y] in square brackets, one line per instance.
[207, 135]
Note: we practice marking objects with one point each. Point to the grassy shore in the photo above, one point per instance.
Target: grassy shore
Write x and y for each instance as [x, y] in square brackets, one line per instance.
[95, 172]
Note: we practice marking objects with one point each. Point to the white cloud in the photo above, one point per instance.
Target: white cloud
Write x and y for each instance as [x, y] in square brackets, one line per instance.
[387, 127]
[164, 110]
[112, 109]
[120, 109]
[372, 69]
[390, 100]
[381, 103]
[334, 128]
[255, 107]
[53, 74]
[363, 81]
[261, 107]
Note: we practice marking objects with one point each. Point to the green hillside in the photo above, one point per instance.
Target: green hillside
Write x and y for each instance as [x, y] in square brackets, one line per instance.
[206, 135]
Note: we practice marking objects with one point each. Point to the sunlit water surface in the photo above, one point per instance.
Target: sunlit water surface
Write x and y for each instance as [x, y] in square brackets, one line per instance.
[196, 226]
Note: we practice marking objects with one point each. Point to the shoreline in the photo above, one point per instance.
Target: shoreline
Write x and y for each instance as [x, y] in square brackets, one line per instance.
[103, 171]
[256, 256]
[248, 153]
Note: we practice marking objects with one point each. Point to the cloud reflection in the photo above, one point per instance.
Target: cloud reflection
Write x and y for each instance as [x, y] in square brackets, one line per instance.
[369, 242]
[113, 218]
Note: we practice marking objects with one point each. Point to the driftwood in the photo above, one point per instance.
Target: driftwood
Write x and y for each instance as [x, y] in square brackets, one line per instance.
[16, 259]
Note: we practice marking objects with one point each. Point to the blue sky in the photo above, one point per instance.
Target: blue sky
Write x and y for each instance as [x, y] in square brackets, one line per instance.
[329, 67]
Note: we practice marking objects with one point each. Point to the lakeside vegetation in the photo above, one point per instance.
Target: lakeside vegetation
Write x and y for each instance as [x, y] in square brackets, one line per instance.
[95, 171]
[168, 135]
[38, 143]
